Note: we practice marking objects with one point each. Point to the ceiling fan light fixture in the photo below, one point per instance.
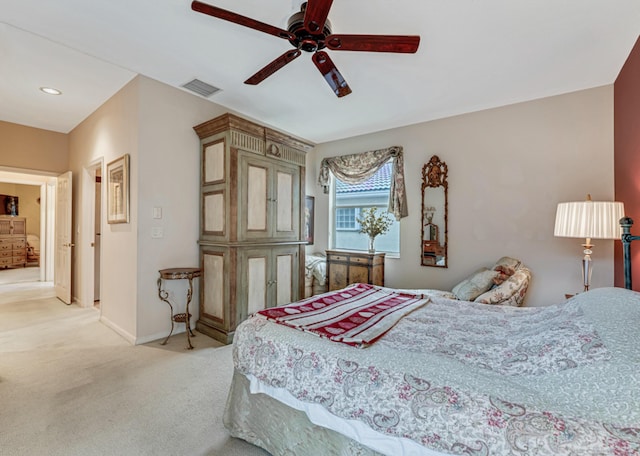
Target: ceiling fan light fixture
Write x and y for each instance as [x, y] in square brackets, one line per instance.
[50, 91]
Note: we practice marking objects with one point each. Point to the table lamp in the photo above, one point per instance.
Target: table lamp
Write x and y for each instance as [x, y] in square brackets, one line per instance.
[589, 220]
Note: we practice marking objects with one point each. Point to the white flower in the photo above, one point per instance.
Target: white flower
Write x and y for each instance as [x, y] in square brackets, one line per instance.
[372, 223]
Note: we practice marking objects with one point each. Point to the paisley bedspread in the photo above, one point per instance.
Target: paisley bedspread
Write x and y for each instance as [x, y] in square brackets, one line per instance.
[465, 378]
[357, 315]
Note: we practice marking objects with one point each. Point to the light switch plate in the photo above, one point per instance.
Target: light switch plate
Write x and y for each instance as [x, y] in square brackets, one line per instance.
[157, 232]
[157, 212]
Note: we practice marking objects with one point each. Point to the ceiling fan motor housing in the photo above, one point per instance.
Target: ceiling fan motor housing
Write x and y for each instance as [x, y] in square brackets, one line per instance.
[307, 40]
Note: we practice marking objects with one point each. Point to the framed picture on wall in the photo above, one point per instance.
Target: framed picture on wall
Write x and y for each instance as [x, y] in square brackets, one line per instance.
[309, 218]
[9, 206]
[118, 190]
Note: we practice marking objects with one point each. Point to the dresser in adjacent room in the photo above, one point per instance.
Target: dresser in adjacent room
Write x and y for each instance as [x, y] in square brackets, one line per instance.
[251, 219]
[13, 241]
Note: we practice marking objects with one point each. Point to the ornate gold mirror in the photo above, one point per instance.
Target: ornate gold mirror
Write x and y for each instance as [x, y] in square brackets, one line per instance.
[434, 213]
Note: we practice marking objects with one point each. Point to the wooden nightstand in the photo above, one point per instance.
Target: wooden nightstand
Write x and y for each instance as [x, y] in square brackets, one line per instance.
[345, 267]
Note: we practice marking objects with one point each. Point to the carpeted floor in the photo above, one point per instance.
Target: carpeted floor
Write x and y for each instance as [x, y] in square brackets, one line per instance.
[71, 386]
[14, 275]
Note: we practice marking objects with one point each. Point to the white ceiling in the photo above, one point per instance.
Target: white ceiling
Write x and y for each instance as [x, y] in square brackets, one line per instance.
[473, 55]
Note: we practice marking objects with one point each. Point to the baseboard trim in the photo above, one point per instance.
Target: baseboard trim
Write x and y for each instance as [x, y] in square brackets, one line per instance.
[133, 340]
[158, 336]
[111, 325]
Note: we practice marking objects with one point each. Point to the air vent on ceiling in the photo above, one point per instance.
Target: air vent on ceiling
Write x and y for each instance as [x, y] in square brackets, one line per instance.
[201, 88]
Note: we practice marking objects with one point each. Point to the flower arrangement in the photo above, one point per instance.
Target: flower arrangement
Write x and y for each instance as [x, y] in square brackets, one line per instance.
[373, 224]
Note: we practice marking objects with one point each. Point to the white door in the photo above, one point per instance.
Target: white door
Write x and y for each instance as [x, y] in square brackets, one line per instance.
[63, 244]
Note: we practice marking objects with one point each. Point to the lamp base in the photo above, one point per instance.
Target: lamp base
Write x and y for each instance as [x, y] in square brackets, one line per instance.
[587, 265]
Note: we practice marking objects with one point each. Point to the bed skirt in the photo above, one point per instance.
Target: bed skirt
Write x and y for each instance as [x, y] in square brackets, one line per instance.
[279, 429]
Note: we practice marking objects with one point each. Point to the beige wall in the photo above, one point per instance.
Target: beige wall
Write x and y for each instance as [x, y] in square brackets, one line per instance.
[32, 148]
[28, 203]
[508, 169]
[152, 122]
[108, 133]
[31, 156]
[168, 176]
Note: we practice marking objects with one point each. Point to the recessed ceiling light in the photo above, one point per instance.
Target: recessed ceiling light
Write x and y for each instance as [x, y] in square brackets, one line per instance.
[50, 90]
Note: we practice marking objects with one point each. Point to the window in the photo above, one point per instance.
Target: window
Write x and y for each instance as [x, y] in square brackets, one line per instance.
[350, 199]
[346, 218]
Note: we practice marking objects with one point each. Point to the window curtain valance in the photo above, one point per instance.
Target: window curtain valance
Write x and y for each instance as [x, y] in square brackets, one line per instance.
[356, 168]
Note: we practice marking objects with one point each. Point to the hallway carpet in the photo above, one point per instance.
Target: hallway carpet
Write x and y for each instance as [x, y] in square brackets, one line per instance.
[71, 386]
[14, 275]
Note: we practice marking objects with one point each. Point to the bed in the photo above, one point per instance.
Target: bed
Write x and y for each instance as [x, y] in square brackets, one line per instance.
[450, 377]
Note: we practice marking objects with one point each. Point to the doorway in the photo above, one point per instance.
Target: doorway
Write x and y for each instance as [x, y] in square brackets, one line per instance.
[32, 203]
[89, 236]
[87, 256]
[96, 236]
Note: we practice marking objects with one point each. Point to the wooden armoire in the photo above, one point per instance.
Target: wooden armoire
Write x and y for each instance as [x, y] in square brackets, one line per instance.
[251, 220]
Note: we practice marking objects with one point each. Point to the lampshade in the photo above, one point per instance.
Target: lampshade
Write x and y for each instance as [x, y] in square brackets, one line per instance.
[589, 219]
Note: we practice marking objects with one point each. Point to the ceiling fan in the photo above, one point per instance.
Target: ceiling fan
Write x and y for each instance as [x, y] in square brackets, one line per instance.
[309, 30]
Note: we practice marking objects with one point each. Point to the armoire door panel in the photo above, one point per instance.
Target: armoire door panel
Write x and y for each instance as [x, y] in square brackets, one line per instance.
[284, 279]
[256, 284]
[213, 293]
[287, 202]
[214, 213]
[257, 195]
[213, 162]
[284, 201]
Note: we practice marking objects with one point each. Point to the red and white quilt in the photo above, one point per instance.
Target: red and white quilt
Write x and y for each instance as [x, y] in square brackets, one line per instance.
[357, 315]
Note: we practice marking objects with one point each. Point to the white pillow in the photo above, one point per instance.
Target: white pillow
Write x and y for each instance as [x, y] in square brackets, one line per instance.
[474, 285]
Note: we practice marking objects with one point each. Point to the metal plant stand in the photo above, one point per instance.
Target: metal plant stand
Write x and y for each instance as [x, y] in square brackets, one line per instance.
[178, 274]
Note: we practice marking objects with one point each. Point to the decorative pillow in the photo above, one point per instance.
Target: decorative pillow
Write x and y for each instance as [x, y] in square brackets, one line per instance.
[506, 265]
[501, 277]
[517, 283]
[504, 270]
[474, 285]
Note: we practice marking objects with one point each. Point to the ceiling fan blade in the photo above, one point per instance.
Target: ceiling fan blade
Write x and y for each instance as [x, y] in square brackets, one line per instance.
[374, 43]
[274, 66]
[331, 74]
[240, 20]
[316, 14]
